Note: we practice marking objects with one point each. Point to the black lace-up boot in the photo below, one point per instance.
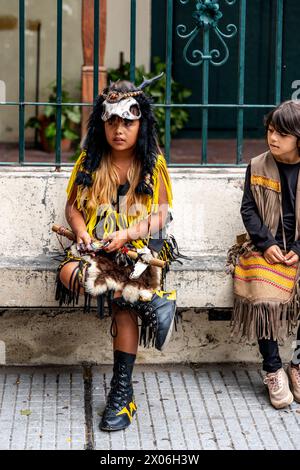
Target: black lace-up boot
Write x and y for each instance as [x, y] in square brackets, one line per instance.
[120, 407]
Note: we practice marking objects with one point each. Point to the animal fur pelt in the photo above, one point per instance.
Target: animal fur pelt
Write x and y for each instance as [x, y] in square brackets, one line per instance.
[104, 274]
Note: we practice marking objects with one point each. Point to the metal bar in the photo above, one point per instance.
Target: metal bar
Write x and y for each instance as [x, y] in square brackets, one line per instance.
[132, 39]
[157, 105]
[96, 49]
[59, 6]
[207, 165]
[21, 81]
[205, 91]
[278, 51]
[45, 103]
[37, 164]
[37, 85]
[172, 165]
[241, 78]
[210, 106]
[169, 53]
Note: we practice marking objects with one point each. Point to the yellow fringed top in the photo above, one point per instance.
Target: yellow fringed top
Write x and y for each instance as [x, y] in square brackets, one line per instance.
[112, 215]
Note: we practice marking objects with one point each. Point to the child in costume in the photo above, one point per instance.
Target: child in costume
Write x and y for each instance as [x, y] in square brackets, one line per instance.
[119, 194]
[266, 262]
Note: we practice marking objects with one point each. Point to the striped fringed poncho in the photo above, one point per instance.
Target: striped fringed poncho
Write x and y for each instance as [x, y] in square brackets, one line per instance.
[266, 296]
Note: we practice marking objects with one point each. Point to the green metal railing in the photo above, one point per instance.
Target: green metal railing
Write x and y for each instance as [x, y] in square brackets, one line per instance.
[205, 22]
[208, 15]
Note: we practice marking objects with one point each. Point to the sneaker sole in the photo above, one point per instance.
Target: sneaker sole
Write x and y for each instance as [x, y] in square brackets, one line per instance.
[113, 429]
[283, 403]
[168, 337]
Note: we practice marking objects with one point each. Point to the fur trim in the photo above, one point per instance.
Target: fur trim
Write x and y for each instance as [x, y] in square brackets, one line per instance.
[145, 295]
[131, 293]
[113, 285]
[104, 275]
[91, 285]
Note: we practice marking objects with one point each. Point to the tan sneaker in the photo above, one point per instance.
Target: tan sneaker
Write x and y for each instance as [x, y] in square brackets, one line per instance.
[294, 376]
[279, 390]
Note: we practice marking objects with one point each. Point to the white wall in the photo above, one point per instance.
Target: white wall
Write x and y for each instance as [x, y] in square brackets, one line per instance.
[118, 28]
[206, 209]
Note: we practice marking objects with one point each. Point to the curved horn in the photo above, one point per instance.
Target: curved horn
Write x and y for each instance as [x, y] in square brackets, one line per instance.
[150, 81]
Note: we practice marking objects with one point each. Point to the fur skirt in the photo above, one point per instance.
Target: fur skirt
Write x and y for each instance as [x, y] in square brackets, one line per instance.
[103, 275]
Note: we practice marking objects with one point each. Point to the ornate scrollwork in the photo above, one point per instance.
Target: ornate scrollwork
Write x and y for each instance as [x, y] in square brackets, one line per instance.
[207, 15]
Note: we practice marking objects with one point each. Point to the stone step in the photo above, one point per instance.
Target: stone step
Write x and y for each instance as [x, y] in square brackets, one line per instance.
[30, 282]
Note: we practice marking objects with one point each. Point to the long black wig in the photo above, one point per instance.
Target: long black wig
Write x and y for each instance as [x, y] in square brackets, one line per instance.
[97, 147]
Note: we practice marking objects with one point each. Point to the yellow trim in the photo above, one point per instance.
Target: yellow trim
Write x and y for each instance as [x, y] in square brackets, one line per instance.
[129, 413]
[161, 293]
[266, 182]
[77, 167]
[162, 170]
[112, 217]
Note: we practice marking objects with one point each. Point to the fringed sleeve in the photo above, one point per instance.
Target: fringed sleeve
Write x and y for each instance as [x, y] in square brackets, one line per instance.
[77, 167]
[161, 169]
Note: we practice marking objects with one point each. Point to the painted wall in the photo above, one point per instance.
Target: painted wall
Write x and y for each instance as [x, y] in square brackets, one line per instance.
[118, 39]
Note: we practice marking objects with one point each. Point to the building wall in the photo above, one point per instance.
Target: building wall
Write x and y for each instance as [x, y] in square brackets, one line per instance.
[118, 39]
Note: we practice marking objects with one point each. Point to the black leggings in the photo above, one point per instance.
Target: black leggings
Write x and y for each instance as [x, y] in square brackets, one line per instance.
[270, 353]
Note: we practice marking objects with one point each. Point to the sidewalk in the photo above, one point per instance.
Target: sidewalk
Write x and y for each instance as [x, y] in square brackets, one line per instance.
[179, 407]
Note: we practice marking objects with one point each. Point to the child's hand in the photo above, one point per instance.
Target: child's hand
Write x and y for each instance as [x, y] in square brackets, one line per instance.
[291, 258]
[84, 239]
[274, 255]
[117, 240]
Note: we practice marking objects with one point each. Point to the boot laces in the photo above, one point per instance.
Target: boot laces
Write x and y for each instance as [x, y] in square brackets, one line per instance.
[273, 381]
[120, 388]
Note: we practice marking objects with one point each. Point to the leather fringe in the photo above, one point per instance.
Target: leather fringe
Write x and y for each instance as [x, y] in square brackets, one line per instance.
[148, 327]
[70, 296]
[268, 320]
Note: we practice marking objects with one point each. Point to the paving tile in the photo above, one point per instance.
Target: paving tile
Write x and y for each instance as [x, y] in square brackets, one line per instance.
[179, 407]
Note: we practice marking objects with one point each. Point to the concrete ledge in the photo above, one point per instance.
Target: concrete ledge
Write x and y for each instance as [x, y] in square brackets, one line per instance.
[30, 282]
[206, 220]
[36, 336]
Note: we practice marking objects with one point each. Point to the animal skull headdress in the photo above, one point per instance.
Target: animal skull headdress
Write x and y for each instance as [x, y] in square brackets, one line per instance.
[120, 104]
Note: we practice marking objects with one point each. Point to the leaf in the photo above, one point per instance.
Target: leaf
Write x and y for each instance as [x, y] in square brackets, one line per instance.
[68, 134]
[50, 130]
[33, 123]
[74, 115]
[50, 111]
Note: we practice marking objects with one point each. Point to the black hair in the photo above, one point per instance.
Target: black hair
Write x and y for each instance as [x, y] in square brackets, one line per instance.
[285, 118]
[97, 147]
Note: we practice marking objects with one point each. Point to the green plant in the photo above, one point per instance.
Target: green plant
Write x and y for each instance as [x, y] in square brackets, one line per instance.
[179, 117]
[46, 123]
